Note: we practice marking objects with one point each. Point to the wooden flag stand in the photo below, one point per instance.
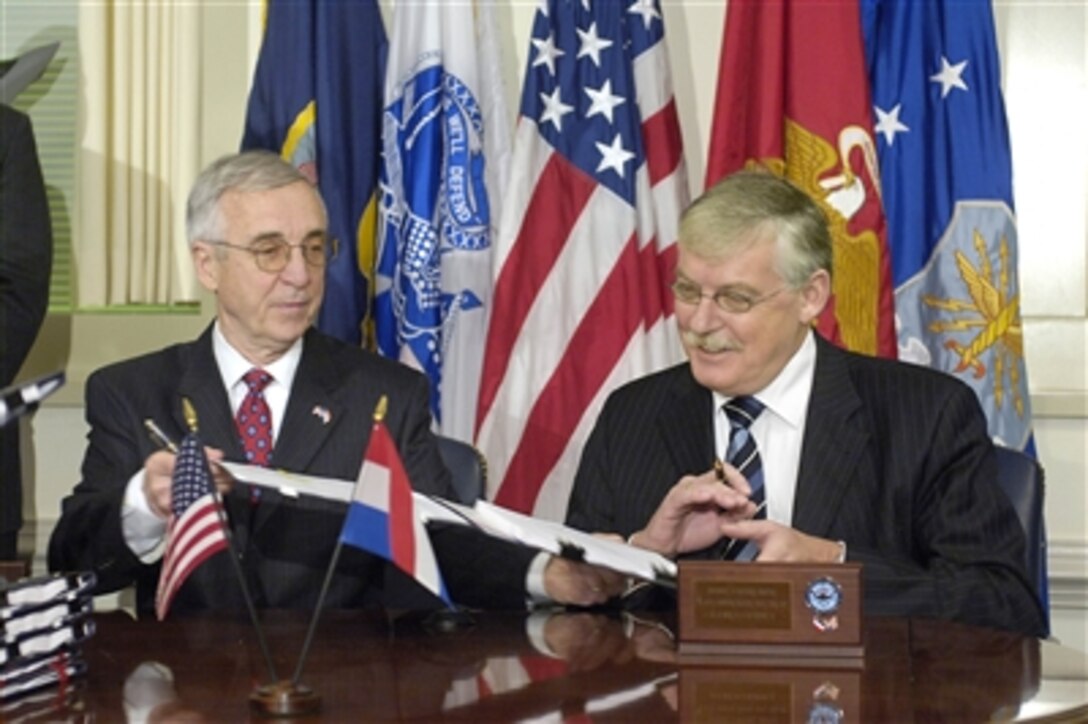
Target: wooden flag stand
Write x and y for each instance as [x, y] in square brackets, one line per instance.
[284, 699]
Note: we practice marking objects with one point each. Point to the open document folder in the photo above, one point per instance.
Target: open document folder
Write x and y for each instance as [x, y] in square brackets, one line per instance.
[554, 538]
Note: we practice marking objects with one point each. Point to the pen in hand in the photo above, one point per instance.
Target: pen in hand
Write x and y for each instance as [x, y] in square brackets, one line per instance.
[159, 437]
[719, 470]
[719, 473]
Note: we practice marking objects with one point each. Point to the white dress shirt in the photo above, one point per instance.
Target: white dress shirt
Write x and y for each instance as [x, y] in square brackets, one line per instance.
[233, 367]
[779, 430]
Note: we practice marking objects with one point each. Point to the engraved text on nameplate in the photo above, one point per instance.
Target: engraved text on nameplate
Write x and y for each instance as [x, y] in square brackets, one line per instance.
[742, 605]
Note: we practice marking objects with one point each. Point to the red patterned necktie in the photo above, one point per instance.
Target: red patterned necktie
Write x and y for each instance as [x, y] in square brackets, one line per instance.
[254, 419]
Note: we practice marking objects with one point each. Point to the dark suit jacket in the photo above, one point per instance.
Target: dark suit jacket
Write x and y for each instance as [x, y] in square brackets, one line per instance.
[896, 462]
[26, 259]
[286, 544]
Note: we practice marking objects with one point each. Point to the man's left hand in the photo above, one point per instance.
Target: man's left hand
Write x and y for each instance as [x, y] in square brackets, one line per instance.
[780, 543]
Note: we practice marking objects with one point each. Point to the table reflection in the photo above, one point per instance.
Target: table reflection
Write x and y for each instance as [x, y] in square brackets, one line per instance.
[596, 666]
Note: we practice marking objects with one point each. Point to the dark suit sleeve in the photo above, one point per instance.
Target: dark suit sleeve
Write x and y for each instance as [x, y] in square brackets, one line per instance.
[592, 497]
[479, 571]
[968, 545]
[645, 439]
[88, 535]
[26, 243]
[26, 257]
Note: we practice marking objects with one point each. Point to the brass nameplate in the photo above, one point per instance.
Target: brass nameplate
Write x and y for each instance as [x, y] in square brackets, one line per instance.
[716, 694]
[769, 609]
[743, 604]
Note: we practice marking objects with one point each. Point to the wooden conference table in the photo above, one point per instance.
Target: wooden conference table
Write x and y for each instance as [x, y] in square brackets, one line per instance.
[368, 666]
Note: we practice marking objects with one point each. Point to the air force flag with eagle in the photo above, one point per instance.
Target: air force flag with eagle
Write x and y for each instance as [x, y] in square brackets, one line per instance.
[946, 171]
[445, 138]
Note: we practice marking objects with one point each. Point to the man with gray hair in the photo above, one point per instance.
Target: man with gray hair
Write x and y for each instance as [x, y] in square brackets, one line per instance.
[258, 239]
[771, 444]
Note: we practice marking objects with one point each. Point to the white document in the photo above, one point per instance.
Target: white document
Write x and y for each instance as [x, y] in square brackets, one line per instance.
[545, 535]
[562, 540]
[291, 484]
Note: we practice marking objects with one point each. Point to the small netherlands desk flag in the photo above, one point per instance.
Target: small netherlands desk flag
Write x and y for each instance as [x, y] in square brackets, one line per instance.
[381, 517]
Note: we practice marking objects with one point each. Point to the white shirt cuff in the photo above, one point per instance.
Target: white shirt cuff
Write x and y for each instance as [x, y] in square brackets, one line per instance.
[534, 631]
[534, 580]
[143, 531]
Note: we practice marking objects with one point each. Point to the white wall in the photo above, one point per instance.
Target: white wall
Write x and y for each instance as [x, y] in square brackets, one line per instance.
[1046, 74]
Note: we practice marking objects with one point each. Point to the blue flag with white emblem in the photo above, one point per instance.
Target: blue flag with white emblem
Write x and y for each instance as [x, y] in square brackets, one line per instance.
[946, 169]
[445, 143]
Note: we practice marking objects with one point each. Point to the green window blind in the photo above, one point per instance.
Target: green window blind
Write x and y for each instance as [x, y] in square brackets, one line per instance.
[52, 102]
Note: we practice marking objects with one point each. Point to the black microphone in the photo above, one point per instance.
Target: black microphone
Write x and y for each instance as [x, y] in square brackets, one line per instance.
[19, 399]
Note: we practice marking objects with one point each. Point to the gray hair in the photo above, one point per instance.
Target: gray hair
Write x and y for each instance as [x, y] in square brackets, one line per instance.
[747, 207]
[247, 171]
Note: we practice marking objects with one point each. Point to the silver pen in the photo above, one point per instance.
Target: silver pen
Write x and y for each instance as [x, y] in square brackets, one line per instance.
[159, 437]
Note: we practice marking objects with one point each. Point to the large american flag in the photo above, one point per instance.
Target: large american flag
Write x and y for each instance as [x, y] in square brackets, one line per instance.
[195, 531]
[586, 244]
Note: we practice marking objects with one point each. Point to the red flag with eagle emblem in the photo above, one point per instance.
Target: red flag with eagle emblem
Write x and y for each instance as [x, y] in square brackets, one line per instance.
[797, 102]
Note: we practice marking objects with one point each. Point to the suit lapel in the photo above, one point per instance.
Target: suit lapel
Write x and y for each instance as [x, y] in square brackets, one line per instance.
[202, 384]
[313, 408]
[688, 435]
[835, 439]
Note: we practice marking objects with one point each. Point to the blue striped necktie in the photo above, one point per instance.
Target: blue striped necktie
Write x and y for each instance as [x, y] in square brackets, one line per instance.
[743, 454]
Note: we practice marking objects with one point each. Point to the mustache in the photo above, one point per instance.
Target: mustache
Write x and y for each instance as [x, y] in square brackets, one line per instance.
[710, 342]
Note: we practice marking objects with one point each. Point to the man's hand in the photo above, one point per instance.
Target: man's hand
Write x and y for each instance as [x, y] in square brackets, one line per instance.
[580, 584]
[159, 471]
[780, 543]
[691, 515]
[223, 480]
[586, 641]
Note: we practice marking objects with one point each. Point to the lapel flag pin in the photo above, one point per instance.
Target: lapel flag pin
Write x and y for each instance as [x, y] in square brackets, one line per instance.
[322, 414]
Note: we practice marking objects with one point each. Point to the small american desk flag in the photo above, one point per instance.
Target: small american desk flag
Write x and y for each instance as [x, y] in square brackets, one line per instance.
[194, 532]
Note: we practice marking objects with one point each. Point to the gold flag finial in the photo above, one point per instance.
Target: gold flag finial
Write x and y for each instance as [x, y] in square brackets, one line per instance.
[189, 411]
[379, 410]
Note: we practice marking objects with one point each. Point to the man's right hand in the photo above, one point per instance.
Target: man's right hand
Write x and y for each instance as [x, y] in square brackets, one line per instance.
[580, 584]
[159, 471]
[690, 516]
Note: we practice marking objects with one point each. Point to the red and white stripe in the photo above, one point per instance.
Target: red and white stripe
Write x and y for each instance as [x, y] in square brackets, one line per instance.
[191, 539]
[384, 486]
[581, 302]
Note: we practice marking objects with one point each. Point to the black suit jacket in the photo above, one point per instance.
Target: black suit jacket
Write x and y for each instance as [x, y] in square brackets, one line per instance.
[895, 461]
[26, 259]
[286, 544]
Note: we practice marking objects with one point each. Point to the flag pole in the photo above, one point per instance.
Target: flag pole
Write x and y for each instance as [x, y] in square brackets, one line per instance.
[317, 613]
[379, 415]
[261, 641]
[191, 420]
